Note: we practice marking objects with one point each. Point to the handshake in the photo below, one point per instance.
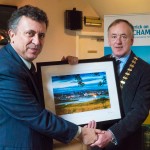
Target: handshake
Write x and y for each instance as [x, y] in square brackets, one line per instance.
[95, 137]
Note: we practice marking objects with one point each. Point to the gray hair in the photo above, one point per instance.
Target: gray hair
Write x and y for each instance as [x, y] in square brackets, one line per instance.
[117, 21]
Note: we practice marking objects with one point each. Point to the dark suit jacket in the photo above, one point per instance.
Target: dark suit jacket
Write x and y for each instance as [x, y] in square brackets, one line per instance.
[136, 105]
[24, 123]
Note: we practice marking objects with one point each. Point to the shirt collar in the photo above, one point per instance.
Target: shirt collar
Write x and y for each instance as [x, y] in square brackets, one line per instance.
[28, 64]
[124, 58]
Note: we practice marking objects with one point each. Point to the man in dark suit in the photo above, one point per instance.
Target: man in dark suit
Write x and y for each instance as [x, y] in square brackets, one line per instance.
[134, 76]
[24, 122]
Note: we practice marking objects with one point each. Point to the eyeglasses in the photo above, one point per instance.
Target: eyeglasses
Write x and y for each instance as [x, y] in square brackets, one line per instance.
[121, 37]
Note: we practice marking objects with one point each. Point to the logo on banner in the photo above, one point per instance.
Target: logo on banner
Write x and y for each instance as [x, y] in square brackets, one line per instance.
[142, 31]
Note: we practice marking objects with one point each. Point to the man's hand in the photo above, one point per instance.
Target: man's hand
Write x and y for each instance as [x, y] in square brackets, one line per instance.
[103, 139]
[91, 124]
[72, 60]
[89, 135]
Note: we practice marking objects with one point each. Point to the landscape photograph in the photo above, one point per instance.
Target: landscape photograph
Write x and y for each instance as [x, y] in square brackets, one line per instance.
[77, 93]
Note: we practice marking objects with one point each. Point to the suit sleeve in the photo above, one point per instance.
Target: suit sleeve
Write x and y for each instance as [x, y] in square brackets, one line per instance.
[18, 101]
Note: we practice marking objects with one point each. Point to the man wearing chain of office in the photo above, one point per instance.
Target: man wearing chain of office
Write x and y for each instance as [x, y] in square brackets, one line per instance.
[134, 77]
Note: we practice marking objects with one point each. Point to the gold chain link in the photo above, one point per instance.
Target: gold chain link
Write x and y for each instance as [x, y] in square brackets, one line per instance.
[128, 72]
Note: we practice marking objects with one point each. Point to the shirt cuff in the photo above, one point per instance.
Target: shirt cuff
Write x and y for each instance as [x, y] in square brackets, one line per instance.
[114, 141]
[78, 132]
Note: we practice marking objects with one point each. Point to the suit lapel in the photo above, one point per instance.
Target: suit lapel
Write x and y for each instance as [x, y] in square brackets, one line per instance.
[15, 56]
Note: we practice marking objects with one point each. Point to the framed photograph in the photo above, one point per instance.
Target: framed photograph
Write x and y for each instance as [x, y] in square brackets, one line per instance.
[82, 92]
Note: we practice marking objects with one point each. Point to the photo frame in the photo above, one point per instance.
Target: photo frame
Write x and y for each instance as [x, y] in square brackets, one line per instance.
[82, 92]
